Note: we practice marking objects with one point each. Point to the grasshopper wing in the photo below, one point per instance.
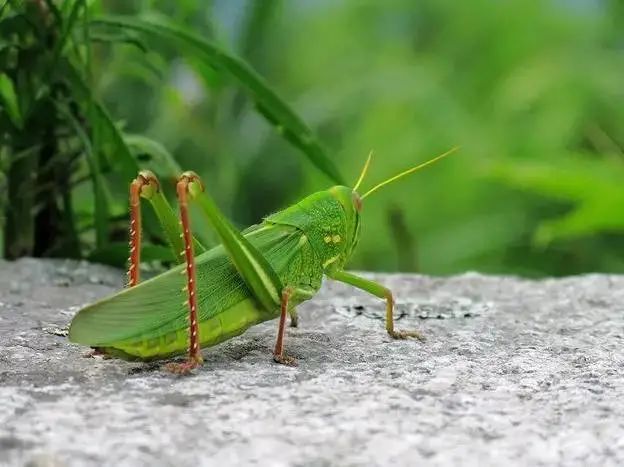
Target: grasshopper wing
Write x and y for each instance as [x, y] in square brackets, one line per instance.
[157, 306]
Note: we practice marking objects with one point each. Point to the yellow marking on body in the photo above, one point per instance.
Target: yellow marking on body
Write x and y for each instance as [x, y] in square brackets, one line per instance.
[330, 260]
[336, 239]
[327, 239]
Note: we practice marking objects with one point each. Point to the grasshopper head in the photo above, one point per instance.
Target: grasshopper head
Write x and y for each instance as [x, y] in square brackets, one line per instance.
[352, 204]
[351, 200]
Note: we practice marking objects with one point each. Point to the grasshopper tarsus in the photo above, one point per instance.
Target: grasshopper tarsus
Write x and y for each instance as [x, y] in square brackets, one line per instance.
[96, 352]
[401, 334]
[183, 368]
[285, 360]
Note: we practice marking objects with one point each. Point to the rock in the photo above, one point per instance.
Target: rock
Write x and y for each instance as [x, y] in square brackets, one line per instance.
[513, 372]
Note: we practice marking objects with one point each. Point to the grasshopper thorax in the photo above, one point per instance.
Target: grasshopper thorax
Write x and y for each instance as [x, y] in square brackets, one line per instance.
[329, 219]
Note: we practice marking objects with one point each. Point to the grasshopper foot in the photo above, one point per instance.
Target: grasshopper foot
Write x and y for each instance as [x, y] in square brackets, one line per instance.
[96, 352]
[285, 360]
[406, 334]
[184, 368]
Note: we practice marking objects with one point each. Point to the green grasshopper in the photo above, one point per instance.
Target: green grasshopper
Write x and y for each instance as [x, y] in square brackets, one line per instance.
[252, 276]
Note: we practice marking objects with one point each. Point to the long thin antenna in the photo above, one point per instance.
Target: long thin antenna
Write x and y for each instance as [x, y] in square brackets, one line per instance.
[409, 171]
[364, 170]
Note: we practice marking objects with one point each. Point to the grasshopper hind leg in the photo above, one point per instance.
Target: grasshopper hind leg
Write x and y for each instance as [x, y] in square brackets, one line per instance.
[255, 270]
[194, 357]
[146, 181]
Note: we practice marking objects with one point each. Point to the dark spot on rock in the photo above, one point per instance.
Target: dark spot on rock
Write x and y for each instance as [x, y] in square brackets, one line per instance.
[320, 337]
[41, 396]
[144, 368]
[176, 399]
[239, 350]
[10, 442]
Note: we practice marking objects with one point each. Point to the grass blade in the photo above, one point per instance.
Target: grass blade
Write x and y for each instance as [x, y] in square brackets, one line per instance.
[9, 97]
[99, 193]
[163, 161]
[113, 143]
[273, 107]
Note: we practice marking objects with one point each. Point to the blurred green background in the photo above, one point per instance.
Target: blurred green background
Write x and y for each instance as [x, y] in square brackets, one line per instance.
[532, 91]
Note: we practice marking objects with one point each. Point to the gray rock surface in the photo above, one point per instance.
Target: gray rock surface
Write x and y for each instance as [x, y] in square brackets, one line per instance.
[514, 372]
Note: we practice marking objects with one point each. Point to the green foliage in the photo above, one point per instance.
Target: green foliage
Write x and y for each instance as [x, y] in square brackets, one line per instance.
[52, 47]
[521, 85]
[531, 91]
[267, 102]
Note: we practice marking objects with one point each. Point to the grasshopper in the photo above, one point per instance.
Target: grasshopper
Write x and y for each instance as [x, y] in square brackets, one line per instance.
[255, 275]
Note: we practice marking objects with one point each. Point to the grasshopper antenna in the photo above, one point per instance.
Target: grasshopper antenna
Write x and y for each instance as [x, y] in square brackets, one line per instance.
[364, 170]
[404, 173]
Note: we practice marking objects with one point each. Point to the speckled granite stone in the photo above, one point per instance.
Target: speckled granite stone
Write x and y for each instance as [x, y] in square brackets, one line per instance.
[513, 372]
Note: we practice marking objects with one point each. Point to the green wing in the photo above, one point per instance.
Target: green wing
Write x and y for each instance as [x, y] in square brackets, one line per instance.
[157, 306]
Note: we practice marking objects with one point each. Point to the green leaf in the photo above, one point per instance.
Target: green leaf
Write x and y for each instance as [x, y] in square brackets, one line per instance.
[163, 161]
[121, 38]
[584, 220]
[593, 191]
[273, 107]
[99, 190]
[9, 97]
[67, 28]
[113, 144]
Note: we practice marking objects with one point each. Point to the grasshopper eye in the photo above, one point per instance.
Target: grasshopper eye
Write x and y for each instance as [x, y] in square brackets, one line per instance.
[357, 202]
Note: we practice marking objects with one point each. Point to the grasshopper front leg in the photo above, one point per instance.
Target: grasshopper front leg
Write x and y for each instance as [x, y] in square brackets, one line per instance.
[288, 294]
[379, 291]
